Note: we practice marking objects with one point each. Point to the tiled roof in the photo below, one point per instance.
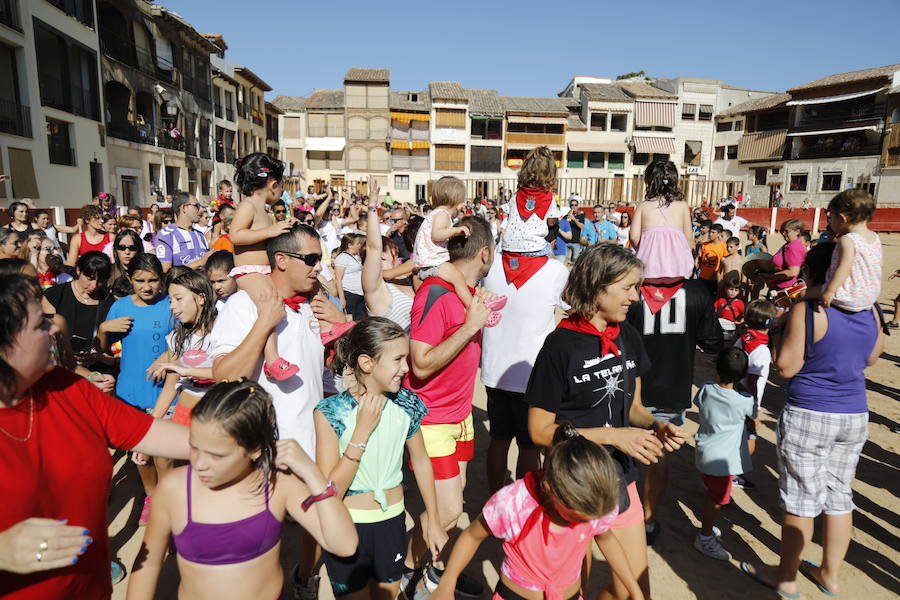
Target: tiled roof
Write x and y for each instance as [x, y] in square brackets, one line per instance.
[604, 91]
[400, 101]
[216, 38]
[447, 90]
[484, 102]
[273, 107]
[757, 104]
[325, 99]
[534, 105]
[640, 89]
[850, 77]
[252, 78]
[290, 103]
[368, 75]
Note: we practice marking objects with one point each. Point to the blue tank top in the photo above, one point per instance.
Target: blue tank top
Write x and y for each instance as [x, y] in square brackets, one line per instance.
[832, 378]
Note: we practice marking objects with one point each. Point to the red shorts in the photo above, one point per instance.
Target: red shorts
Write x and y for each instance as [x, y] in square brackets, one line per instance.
[718, 488]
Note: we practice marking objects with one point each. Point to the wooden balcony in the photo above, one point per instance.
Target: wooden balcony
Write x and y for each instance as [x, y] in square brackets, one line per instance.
[536, 139]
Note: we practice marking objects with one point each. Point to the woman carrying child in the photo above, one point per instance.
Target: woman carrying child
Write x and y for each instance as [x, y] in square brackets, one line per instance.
[361, 435]
[225, 510]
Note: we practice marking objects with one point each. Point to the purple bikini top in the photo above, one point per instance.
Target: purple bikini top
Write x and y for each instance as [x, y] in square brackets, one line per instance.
[227, 543]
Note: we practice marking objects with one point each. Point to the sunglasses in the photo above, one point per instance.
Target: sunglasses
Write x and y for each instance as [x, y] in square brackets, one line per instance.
[167, 221]
[308, 222]
[123, 248]
[279, 212]
[310, 260]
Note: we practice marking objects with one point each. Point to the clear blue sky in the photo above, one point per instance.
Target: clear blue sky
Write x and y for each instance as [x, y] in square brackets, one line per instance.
[533, 48]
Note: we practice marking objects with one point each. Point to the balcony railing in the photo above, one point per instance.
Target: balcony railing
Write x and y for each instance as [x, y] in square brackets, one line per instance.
[145, 60]
[141, 134]
[61, 155]
[229, 114]
[15, 118]
[217, 109]
[851, 115]
[9, 14]
[836, 152]
[167, 141]
[537, 139]
[117, 48]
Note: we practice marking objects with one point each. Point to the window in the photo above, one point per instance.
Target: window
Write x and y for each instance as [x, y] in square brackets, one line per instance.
[67, 73]
[129, 186]
[377, 96]
[720, 153]
[485, 159]
[688, 111]
[598, 121]
[449, 118]
[356, 96]
[487, 129]
[618, 122]
[358, 159]
[640, 158]
[798, 182]
[575, 160]
[24, 184]
[80, 10]
[378, 128]
[706, 112]
[401, 182]
[9, 14]
[732, 152]
[831, 181]
[412, 97]
[692, 153]
[738, 125]
[357, 128]
[759, 177]
[59, 143]
[596, 160]
[616, 160]
[449, 158]
[724, 126]
[15, 117]
[776, 171]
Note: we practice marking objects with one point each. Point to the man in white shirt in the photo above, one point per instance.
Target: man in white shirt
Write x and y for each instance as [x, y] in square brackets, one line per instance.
[508, 352]
[731, 222]
[239, 337]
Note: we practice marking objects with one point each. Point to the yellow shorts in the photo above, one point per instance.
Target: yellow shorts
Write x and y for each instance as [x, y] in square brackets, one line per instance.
[448, 444]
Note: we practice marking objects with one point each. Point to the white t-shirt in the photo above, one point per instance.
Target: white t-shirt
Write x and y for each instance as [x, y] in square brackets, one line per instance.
[297, 337]
[352, 279]
[622, 234]
[734, 225]
[508, 351]
[329, 236]
[758, 363]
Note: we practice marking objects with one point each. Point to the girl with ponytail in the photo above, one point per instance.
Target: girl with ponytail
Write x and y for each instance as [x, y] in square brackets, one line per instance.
[546, 522]
[228, 505]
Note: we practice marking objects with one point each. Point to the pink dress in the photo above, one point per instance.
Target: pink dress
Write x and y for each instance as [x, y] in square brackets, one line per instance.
[427, 252]
[665, 251]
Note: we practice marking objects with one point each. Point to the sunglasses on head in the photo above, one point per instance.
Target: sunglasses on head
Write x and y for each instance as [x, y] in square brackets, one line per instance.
[123, 248]
[310, 260]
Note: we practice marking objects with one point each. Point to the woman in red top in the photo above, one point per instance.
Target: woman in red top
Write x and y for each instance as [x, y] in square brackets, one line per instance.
[92, 238]
[55, 430]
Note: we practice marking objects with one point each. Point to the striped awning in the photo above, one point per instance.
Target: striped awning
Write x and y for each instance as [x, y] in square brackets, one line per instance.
[515, 146]
[406, 117]
[762, 145]
[653, 145]
[654, 114]
[409, 145]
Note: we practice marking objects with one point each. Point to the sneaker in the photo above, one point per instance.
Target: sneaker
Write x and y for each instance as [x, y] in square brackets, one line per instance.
[465, 585]
[742, 482]
[409, 584]
[652, 530]
[893, 324]
[145, 512]
[117, 571]
[306, 588]
[711, 547]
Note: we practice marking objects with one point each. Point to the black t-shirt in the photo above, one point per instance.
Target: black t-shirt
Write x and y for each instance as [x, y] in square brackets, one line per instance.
[572, 380]
[671, 337]
[82, 319]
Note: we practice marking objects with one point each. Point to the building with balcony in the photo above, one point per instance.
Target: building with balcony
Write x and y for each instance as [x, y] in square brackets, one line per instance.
[410, 144]
[835, 130]
[325, 141]
[273, 146]
[51, 128]
[225, 134]
[368, 122]
[292, 134]
[888, 190]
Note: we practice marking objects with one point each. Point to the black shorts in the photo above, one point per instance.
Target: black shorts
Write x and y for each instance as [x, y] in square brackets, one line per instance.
[379, 556]
[508, 417]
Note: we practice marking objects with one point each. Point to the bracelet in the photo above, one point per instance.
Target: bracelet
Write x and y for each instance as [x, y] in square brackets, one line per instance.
[330, 490]
[360, 446]
[348, 457]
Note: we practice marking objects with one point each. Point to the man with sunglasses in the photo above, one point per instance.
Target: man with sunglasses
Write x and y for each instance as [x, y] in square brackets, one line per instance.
[180, 243]
[239, 336]
[397, 222]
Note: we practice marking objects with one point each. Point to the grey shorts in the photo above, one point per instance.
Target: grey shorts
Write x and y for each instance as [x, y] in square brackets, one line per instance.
[817, 457]
[426, 272]
[667, 415]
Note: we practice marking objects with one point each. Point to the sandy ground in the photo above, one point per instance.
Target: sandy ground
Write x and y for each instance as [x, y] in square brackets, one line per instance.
[750, 525]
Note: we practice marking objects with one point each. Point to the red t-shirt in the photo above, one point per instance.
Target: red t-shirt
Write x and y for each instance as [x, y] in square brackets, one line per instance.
[733, 312]
[437, 312]
[63, 472]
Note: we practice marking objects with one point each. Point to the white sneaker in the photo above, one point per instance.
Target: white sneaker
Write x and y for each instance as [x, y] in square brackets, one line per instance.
[711, 547]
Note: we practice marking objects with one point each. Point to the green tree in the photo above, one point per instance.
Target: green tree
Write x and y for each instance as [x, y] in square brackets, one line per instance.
[640, 73]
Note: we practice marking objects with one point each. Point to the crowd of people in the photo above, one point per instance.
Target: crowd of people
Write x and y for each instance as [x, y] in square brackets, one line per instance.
[280, 356]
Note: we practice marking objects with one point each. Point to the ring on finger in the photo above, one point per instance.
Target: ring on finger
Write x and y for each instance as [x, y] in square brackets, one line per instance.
[39, 556]
[43, 545]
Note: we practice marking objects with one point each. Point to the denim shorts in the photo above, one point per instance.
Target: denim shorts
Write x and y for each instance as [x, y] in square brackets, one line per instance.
[667, 415]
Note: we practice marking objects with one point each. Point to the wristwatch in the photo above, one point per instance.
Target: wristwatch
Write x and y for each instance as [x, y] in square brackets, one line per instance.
[330, 490]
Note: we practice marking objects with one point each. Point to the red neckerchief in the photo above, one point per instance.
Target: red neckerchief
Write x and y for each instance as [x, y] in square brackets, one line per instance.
[532, 201]
[295, 302]
[47, 279]
[607, 336]
[753, 339]
[656, 296]
[519, 268]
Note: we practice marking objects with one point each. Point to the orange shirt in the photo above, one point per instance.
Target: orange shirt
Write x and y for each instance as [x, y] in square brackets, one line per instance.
[711, 254]
[223, 243]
